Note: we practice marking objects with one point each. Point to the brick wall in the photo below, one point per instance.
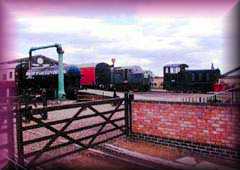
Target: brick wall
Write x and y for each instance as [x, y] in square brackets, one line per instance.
[215, 125]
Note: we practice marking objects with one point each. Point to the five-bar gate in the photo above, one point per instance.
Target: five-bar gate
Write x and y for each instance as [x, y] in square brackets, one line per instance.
[70, 128]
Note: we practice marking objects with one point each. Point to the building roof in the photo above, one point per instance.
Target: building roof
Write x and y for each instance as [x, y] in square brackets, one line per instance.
[232, 73]
[176, 65]
[26, 59]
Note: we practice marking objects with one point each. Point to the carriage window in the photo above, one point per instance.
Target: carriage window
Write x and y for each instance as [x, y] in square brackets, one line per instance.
[166, 69]
[193, 77]
[200, 76]
[174, 70]
[207, 77]
[177, 69]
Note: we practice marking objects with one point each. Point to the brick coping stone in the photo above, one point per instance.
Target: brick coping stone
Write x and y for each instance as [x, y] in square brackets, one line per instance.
[188, 103]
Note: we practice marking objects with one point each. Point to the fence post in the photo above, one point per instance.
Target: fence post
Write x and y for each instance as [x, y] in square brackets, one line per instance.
[128, 112]
[126, 106]
[10, 126]
[131, 98]
[20, 150]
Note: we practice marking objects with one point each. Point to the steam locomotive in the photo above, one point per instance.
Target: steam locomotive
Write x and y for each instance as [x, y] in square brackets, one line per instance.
[179, 79]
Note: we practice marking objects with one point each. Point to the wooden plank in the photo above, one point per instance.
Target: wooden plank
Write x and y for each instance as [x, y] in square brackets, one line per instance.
[30, 154]
[70, 131]
[75, 105]
[67, 119]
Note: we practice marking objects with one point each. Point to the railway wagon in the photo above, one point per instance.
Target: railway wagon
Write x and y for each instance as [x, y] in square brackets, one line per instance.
[88, 76]
[106, 77]
[179, 79]
[95, 76]
[148, 80]
[131, 77]
[47, 78]
[103, 76]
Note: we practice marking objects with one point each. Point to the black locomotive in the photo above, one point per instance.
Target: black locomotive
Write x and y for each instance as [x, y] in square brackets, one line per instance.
[46, 78]
[179, 79]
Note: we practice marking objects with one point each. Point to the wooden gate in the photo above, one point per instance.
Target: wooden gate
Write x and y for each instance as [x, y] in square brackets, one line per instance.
[70, 128]
[6, 132]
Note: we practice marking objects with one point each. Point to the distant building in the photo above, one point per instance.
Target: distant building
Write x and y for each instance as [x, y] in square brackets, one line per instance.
[157, 82]
[231, 78]
[7, 79]
[7, 72]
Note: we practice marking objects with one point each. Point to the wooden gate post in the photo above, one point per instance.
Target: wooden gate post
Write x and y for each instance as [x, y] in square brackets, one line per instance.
[128, 97]
[126, 111]
[19, 130]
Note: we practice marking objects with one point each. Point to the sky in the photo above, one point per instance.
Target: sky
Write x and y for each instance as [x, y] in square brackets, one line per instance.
[132, 38]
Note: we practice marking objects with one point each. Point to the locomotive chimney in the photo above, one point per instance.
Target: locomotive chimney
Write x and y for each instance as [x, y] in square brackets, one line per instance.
[212, 67]
[113, 61]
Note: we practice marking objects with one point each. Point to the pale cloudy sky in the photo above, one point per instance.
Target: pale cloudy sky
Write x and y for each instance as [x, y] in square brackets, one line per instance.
[148, 41]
